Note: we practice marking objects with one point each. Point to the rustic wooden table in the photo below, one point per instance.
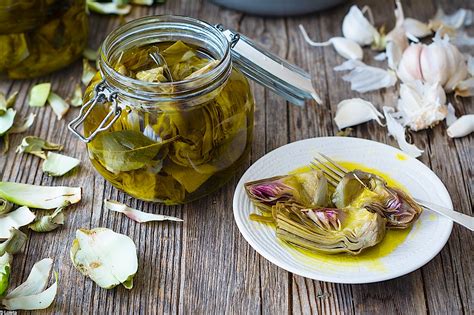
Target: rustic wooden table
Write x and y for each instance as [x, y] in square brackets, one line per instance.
[204, 265]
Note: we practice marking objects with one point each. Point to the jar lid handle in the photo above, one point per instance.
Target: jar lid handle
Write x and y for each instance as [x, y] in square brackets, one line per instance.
[264, 67]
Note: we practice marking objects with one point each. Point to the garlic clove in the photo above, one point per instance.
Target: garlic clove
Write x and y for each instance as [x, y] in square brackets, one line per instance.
[457, 66]
[461, 127]
[421, 105]
[451, 116]
[396, 130]
[416, 28]
[355, 111]
[364, 78]
[409, 68]
[356, 27]
[345, 47]
[434, 63]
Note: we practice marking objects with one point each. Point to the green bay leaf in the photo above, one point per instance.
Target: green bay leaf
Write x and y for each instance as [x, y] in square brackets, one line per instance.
[124, 150]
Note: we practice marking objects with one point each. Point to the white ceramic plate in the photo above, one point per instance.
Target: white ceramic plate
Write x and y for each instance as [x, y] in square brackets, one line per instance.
[424, 241]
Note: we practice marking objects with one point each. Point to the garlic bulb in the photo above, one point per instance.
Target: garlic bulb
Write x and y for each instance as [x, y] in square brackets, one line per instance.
[421, 105]
[355, 111]
[461, 127]
[345, 47]
[356, 27]
[440, 62]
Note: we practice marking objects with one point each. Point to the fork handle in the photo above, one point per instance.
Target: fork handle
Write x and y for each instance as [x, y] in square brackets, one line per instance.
[460, 218]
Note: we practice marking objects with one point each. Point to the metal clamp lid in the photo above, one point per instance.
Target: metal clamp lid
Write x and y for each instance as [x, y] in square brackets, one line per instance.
[102, 94]
[264, 67]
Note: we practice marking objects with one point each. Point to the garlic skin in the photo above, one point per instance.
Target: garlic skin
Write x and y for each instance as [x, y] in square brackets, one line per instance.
[462, 17]
[364, 78]
[398, 32]
[461, 127]
[396, 130]
[465, 88]
[451, 117]
[470, 65]
[345, 47]
[355, 111]
[416, 28]
[394, 54]
[462, 38]
[421, 105]
[356, 27]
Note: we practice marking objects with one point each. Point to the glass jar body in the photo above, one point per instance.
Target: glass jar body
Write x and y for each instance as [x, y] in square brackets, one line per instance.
[173, 152]
[36, 41]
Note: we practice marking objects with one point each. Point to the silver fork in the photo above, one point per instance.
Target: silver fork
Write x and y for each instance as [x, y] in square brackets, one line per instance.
[335, 172]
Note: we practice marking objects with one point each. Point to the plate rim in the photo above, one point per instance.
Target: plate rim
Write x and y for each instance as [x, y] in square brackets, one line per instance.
[381, 277]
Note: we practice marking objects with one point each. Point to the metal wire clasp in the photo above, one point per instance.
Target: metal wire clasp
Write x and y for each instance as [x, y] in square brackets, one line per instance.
[234, 37]
[102, 94]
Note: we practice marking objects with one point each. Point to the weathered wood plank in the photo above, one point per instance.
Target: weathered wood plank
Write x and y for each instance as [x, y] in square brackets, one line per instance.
[310, 297]
[204, 265]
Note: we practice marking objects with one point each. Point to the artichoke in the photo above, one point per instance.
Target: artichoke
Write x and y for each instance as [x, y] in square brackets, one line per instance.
[364, 190]
[309, 189]
[328, 230]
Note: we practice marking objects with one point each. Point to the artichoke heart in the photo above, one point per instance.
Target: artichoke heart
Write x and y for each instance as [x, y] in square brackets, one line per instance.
[328, 230]
[365, 190]
[309, 189]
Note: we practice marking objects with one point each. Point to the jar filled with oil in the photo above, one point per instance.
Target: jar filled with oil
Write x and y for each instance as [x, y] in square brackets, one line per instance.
[40, 36]
[186, 114]
[169, 115]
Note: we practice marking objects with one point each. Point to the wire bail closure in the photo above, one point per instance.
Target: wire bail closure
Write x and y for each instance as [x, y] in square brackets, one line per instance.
[102, 94]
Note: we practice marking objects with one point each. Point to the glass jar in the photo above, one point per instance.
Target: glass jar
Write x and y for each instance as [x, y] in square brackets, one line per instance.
[41, 36]
[173, 142]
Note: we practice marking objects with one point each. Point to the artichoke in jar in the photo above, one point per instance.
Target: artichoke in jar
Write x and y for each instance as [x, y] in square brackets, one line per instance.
[308, 188]
[18, 16]
[365, 190]
[172, 151]
[47, 47]
[328, 230]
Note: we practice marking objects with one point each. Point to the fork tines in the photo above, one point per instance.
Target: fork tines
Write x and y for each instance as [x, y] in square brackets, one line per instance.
[333, 171]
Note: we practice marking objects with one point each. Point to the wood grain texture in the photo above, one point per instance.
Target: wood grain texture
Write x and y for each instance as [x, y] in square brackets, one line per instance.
[204, 265]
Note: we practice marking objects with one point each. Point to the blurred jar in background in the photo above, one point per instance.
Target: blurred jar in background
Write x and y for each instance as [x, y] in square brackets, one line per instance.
[40, 36]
